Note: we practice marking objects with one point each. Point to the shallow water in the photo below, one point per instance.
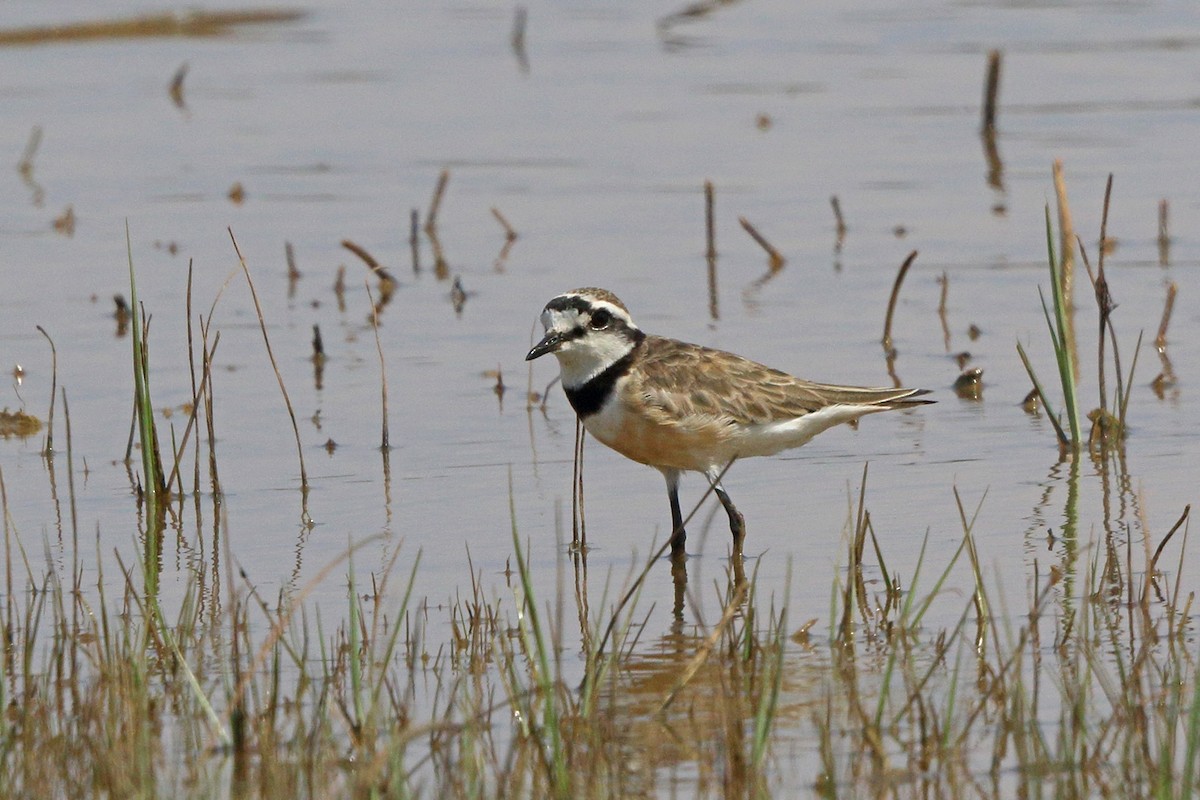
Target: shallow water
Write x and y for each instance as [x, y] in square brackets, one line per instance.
[337, 125]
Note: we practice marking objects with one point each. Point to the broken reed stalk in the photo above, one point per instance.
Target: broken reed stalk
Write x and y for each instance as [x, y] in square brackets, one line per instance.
[1160, 341]
[383, 445]
[48, 450]
[510, 233]
[710, 248]
[368, 259]
[991, 89]
[891, 307]
[436, 203]
[262, 325]
[776, 259]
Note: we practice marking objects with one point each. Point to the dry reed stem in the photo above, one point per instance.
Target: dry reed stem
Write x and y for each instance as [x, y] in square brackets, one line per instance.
[436, 203]
[710, 248]
[48, 450]
[196, 396]
[262, 324]
[891, 307]
[991, 89]
[384, 445]
[368, 259]
[1160, 341]
[414, 239]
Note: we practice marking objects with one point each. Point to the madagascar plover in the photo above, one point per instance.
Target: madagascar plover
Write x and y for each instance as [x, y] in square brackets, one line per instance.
[677, 406]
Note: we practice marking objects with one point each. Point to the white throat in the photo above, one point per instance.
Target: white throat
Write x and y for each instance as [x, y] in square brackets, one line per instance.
[585, 358]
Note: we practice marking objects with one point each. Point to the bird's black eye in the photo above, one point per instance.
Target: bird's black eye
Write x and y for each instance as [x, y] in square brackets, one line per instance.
[600, 319]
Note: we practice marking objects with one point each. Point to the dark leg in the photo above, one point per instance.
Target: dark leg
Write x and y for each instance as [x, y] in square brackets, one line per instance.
[737, 523]
[678, 534]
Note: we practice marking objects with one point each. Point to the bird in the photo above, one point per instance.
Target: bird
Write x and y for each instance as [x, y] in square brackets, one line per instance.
[681, 407]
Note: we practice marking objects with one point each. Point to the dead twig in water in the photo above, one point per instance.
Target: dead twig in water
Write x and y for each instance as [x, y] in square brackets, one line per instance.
[891, 308]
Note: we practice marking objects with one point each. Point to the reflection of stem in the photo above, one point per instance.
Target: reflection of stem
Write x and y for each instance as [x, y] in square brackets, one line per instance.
[579, 562]
[1070, 532]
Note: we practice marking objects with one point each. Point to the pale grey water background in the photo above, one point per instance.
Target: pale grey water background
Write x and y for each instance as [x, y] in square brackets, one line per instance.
[337, 125]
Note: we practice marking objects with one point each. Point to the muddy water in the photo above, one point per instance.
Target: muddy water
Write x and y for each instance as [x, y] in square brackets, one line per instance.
[594, 143]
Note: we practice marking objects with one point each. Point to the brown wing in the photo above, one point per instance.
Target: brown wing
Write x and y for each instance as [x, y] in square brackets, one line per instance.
[681, 381]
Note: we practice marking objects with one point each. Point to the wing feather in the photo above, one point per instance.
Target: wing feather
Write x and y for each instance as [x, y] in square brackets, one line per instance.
[682, 382]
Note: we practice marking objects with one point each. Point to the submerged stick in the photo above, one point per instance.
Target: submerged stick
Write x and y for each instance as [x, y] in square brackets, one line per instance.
[891, 308]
